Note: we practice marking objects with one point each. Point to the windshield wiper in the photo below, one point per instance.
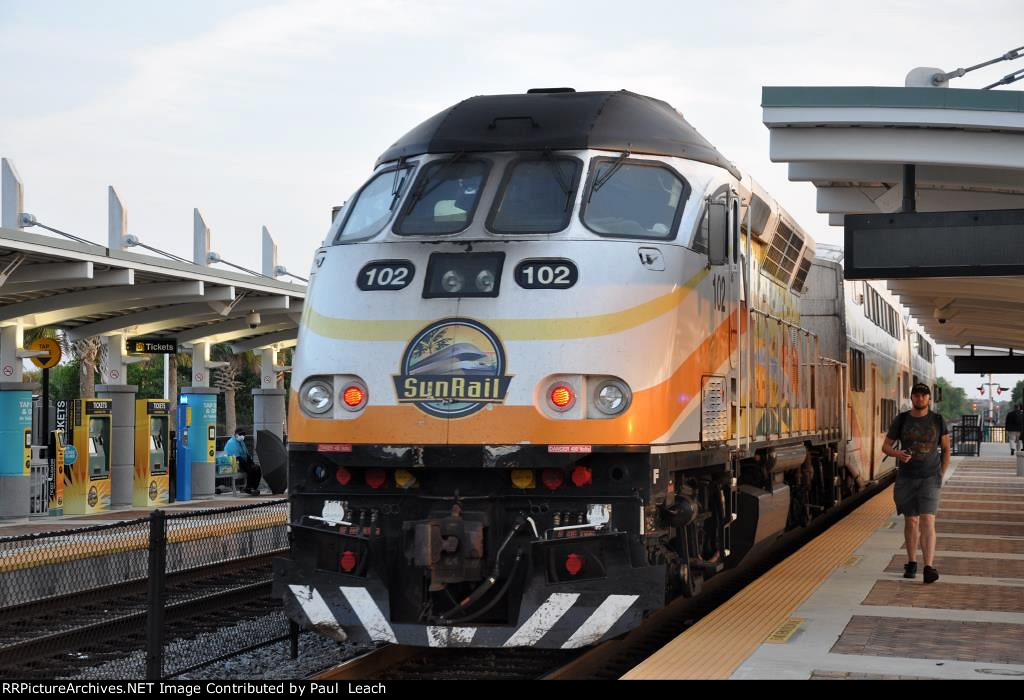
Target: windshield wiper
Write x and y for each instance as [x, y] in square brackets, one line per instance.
[422, 191]
[603, 180]
[398, 183]
[559, 176]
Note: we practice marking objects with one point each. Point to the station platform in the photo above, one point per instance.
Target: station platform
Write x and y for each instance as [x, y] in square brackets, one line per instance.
[54, 523]
[841, 609]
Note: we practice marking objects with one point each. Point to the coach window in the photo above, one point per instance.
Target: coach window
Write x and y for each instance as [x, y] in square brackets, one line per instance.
[536, 196]
[373, 205]
[856, 370]
[443, 198]
[633, 199]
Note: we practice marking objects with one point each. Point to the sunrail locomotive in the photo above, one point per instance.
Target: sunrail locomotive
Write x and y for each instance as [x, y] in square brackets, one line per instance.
[559, 363]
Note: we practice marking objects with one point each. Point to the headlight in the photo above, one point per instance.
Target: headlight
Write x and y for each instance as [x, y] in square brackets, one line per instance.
[463, 275]
[612, 397]
[485, 281]
[315, 397]
[452, 282]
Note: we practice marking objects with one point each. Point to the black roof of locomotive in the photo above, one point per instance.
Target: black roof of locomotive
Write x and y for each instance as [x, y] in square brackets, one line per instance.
[559, 120]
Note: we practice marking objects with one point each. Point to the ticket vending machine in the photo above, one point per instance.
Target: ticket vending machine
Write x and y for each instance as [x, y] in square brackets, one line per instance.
[183, 454]
[55, 472]
[16, 433]
[202, 438]
[152, 434]
[87, 458]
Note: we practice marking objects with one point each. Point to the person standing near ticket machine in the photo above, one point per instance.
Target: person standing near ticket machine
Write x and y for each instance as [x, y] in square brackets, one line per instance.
[236, 448]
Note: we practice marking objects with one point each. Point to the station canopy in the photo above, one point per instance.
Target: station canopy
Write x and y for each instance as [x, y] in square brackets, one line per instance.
[90, 290]
[954, 251]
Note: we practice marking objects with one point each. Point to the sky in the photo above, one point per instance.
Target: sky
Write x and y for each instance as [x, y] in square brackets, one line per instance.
[263, 113]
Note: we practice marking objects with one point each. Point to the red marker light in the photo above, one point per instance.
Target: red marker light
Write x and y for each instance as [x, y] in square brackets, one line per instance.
[562, 397]
[574, 564]
[581, 476]
[348, 561]
[552, 478]
[375, 478]
[353, 396]
[343, 476]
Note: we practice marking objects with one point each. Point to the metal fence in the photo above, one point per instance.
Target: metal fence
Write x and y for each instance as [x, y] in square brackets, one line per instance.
[966, 440]
[147, 598]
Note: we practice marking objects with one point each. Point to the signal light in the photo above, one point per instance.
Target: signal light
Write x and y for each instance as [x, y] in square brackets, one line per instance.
[405, 479]
[375, 478]
[523, 479]
[343, 476]
[354, 396]
[562, 397]
[348, 561]
[581, 476]
[552, 478]
[574, 564]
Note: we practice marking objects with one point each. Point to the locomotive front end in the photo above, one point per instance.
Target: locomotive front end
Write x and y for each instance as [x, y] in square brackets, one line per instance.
[505, 325]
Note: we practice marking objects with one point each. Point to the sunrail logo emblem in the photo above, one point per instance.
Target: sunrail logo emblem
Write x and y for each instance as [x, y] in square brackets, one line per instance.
[452, 369]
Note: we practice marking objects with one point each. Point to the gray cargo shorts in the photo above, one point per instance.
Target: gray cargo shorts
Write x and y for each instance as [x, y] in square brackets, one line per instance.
[917, 496]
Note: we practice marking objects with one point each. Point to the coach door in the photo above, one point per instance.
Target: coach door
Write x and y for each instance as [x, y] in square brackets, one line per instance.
[875, 419]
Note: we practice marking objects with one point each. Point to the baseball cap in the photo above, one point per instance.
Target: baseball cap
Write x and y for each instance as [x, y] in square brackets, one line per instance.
[921, 389]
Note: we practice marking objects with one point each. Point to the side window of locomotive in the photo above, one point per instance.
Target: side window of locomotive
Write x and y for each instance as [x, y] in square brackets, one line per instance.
[373, 205]
[634, 200]
[444, 198]
[536, 196]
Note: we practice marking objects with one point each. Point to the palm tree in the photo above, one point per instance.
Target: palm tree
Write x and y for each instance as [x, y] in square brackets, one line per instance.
[88, 350]
[228, 379]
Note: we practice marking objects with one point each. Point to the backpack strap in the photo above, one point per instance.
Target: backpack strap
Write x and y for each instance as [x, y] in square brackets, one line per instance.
[901, 420]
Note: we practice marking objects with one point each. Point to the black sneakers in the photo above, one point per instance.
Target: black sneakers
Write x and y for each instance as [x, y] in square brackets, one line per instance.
[910, 569]
[931, 575]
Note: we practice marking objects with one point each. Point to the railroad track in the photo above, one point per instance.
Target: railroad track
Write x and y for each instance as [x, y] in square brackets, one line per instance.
[607, 661]
[84, 629]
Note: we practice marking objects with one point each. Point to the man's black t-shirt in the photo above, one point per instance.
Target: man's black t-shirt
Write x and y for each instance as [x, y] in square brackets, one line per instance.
[921, 436]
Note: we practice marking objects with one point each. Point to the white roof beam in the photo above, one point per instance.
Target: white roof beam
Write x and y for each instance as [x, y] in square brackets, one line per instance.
[824, 173]
[232, 330]
[156, 320]
[177, 314]
[984, 288]
[250, 304]
[54, 272]
[53, 318]
[870, 200]
[101, 296]
[102, 278]
[961, 148]
[989, 336]
[954, 351]
[280, 339]
[195, 335]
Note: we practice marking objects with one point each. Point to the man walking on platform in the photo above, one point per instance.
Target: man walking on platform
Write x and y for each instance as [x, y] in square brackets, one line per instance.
[1014, 426]
[920, 432]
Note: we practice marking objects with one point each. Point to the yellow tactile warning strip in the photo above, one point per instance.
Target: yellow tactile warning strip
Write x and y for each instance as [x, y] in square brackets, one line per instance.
[716, 646]
[59, 554]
